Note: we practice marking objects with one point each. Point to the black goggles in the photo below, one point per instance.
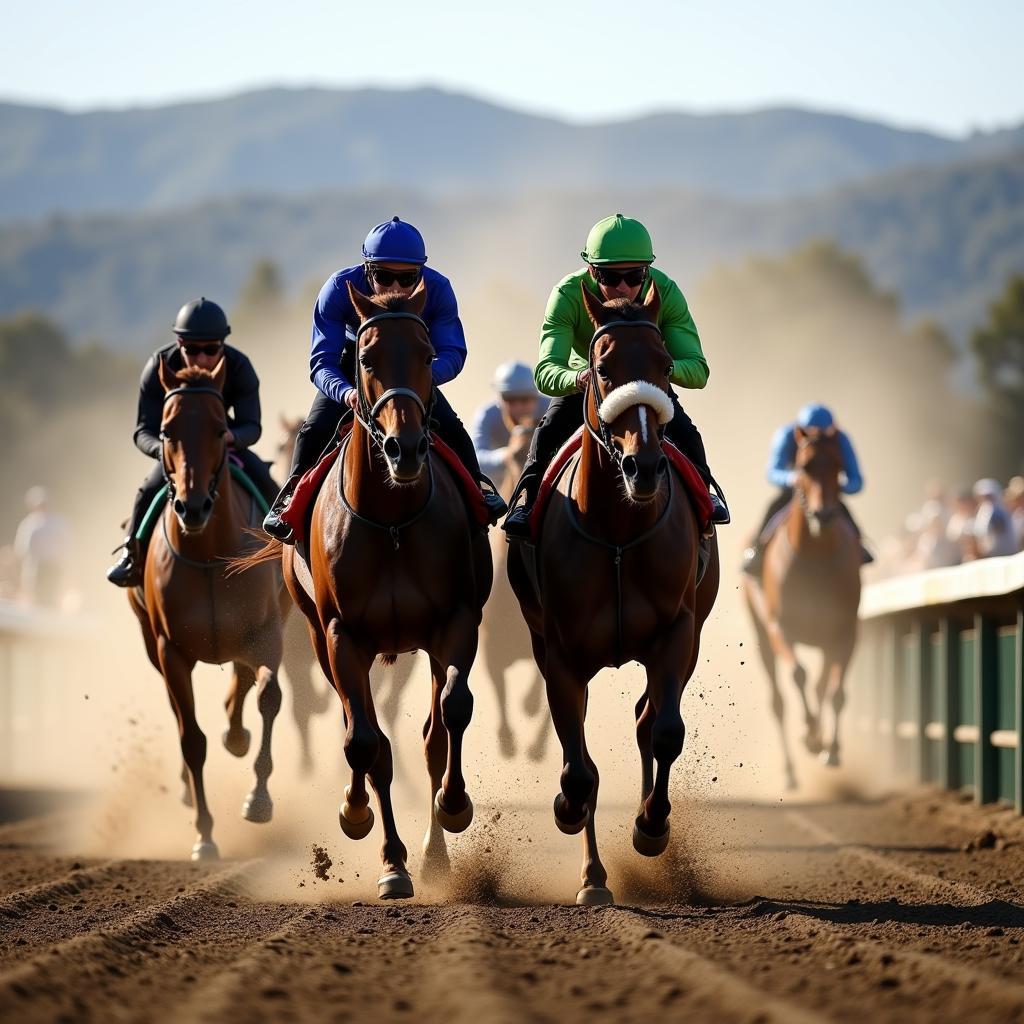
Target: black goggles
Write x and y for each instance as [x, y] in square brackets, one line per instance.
[201, 348]
[633, 277]
[385, 277]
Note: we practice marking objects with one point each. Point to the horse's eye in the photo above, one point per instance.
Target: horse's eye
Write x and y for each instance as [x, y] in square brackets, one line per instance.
[430, 360]
[602, 373]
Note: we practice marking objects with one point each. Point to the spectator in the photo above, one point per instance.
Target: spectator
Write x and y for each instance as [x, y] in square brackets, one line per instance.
[960, 529]
[934, 548]
[1015, 506]
[40, 545]
[993, 525]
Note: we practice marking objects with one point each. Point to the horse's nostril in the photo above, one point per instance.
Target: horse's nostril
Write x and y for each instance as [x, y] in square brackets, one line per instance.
[179, 508]
[207, 505]
[392, 448]
[629, 467]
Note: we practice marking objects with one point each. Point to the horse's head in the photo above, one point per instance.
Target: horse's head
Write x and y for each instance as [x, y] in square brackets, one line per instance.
[194, 449]
[819, 461]
[393, 378]
[627, 402]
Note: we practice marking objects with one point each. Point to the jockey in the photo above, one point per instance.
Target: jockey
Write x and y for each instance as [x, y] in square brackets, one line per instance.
[201, 328]
[782, 473]
[619, 255]
[394, 258]
[519, 402]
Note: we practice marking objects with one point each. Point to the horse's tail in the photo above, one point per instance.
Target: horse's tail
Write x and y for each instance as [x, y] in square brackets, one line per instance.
[269, 552]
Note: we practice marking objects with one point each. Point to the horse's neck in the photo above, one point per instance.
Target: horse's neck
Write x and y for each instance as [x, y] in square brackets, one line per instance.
[798, 528]
[367, 487]
[604, 510]
[222, 532]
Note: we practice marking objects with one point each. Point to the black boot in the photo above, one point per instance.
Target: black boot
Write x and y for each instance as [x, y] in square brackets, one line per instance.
[273, 523]
[719, 511]
[128, 570]
[517, 522]
[493, 501]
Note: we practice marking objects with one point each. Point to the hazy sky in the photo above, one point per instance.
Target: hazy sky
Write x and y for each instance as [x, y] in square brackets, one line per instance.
[944, 64]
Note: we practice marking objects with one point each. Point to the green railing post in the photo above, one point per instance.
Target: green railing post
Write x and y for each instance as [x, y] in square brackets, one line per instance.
[918, 704]
[949, 665]
[986, 783]
[1019, 711]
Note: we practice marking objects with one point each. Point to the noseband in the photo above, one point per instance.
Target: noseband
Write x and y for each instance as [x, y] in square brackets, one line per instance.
[367, 413]
[168, 478]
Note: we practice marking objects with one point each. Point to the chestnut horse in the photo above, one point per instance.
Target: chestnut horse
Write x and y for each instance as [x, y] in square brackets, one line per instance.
[189, 610]
[617, 565]
[809, 593]
[394, 565]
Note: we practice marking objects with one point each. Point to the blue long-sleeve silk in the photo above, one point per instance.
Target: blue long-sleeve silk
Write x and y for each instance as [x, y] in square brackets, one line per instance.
[783, 458]
[335, 323]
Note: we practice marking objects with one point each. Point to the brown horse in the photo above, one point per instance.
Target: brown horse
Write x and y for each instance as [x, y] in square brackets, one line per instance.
[394, 565]
[617, 564]
[188, 609]
[809, 592]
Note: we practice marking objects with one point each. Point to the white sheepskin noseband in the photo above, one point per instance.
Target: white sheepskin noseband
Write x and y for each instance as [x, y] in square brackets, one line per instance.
[637, 392]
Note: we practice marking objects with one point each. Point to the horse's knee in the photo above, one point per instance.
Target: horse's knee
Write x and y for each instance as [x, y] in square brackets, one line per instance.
[362, 744]
[456, 704]
[668, 735]
[269, 698]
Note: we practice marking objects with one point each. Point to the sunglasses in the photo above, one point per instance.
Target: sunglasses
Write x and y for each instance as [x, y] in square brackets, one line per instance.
[193, 348]
[613, 278]
[385, 277]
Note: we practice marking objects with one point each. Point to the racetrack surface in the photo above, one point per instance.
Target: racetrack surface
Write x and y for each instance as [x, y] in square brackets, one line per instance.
[888, 910]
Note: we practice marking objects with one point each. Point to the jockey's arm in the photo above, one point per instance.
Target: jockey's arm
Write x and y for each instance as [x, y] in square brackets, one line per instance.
[689, 367]
[782, 458]
[854, 482]
[486, 432]
[151, 410]
[446, 334]
[553, 373]
[246, 423]
[330, 313]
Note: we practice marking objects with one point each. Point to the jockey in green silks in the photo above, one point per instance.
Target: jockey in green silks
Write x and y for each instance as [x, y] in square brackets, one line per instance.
[619, 255]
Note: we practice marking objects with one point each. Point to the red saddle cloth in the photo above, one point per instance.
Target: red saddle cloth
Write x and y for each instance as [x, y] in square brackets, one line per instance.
[691, 480]
[312, 480]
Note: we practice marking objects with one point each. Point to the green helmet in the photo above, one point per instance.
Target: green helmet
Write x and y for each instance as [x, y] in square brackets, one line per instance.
[618, 239]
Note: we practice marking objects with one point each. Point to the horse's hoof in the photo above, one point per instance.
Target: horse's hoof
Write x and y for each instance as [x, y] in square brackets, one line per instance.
[452, 822]
[205, 851]
[258, 808]
[594, 896]
[356, 823]
[829, 758]
[650, 846]
[569, 828]
[395, 885]
[237, 745]
[812, 741]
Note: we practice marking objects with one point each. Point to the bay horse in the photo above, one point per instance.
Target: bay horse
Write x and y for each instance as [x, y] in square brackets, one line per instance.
[393, 565]
[189, 610]
[617, 566]
[809, 593]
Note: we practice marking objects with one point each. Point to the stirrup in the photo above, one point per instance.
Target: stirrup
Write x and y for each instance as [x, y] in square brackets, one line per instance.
[517, 523]
[273, 524]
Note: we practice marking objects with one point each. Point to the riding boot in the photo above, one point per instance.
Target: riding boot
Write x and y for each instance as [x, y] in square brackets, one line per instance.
[493, 501]
[517, 522]
[866, 558]
[128, 570]
[273, 523]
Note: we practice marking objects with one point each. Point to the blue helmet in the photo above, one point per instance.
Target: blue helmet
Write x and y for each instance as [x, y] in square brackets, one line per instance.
[394, 241]
[814, 417]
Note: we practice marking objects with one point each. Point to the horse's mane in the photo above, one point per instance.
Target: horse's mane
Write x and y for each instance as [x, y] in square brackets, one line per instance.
[627, 310]
[196, 376]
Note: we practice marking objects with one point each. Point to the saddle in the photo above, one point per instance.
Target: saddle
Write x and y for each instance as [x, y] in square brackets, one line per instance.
[299, 508]
[693, 484]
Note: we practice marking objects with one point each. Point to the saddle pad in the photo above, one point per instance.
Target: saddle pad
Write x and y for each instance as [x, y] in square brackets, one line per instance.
[691, 480]
[296, 515]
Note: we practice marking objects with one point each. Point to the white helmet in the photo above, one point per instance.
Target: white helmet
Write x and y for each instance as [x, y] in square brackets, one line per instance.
[514, 379]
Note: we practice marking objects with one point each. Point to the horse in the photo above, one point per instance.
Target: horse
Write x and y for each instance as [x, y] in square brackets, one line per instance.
[189, 610]
[504, 638]
[617, 577]
[393, 565]
[809, 593]
[309, 697]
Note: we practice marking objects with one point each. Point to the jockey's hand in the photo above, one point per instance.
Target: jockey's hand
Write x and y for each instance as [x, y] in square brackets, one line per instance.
[352, 398]
[229, 438]
[583, 379]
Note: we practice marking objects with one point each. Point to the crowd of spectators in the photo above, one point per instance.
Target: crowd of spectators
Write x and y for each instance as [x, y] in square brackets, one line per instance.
[32, 568]
[983, 521]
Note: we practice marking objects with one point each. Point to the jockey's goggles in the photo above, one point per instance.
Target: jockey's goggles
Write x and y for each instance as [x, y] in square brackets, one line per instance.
[385, 277]
[201, 348]
[633, 277]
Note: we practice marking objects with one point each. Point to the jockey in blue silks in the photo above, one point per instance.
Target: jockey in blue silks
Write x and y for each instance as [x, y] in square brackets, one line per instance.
[394, 264]
[782, 473]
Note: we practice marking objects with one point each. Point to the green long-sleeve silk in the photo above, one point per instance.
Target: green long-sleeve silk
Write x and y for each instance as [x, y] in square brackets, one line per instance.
[565, 336]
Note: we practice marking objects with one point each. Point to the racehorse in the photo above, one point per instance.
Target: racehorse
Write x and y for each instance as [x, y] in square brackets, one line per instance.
[189, 610]
[617, 572]
[394, 565]
[809, 592]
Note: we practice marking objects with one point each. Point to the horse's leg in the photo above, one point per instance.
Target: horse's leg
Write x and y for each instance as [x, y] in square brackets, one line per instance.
[258, 807]
[784, 651]
[186, 788]
[237, 738]
[436, 864]
[644, 713]
[567, 699]
[496, 671]
[452, 805]
[177, 672]
[767, 652]
[594, 876]
[836, 693]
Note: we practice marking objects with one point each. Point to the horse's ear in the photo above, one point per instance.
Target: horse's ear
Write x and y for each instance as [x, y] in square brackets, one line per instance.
[593, 305]
[364, 306]
[418, 300]
[168, 378]
[652, 304]
[220, 373]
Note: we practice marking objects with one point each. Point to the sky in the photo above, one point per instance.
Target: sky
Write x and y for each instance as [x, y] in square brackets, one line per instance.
[950, 66]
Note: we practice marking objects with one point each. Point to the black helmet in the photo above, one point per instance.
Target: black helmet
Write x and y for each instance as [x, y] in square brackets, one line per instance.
[201, 318]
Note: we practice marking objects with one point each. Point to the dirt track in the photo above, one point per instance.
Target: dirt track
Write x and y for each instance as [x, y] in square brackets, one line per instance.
[824, 912]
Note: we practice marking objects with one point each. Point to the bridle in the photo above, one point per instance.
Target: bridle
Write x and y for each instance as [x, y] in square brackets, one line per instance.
[366, 413]
[219, 471]
[816, 518]
[602, 432]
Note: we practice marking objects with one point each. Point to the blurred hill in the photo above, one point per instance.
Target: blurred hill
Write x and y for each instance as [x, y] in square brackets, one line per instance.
[945, 239]
[290, 141]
